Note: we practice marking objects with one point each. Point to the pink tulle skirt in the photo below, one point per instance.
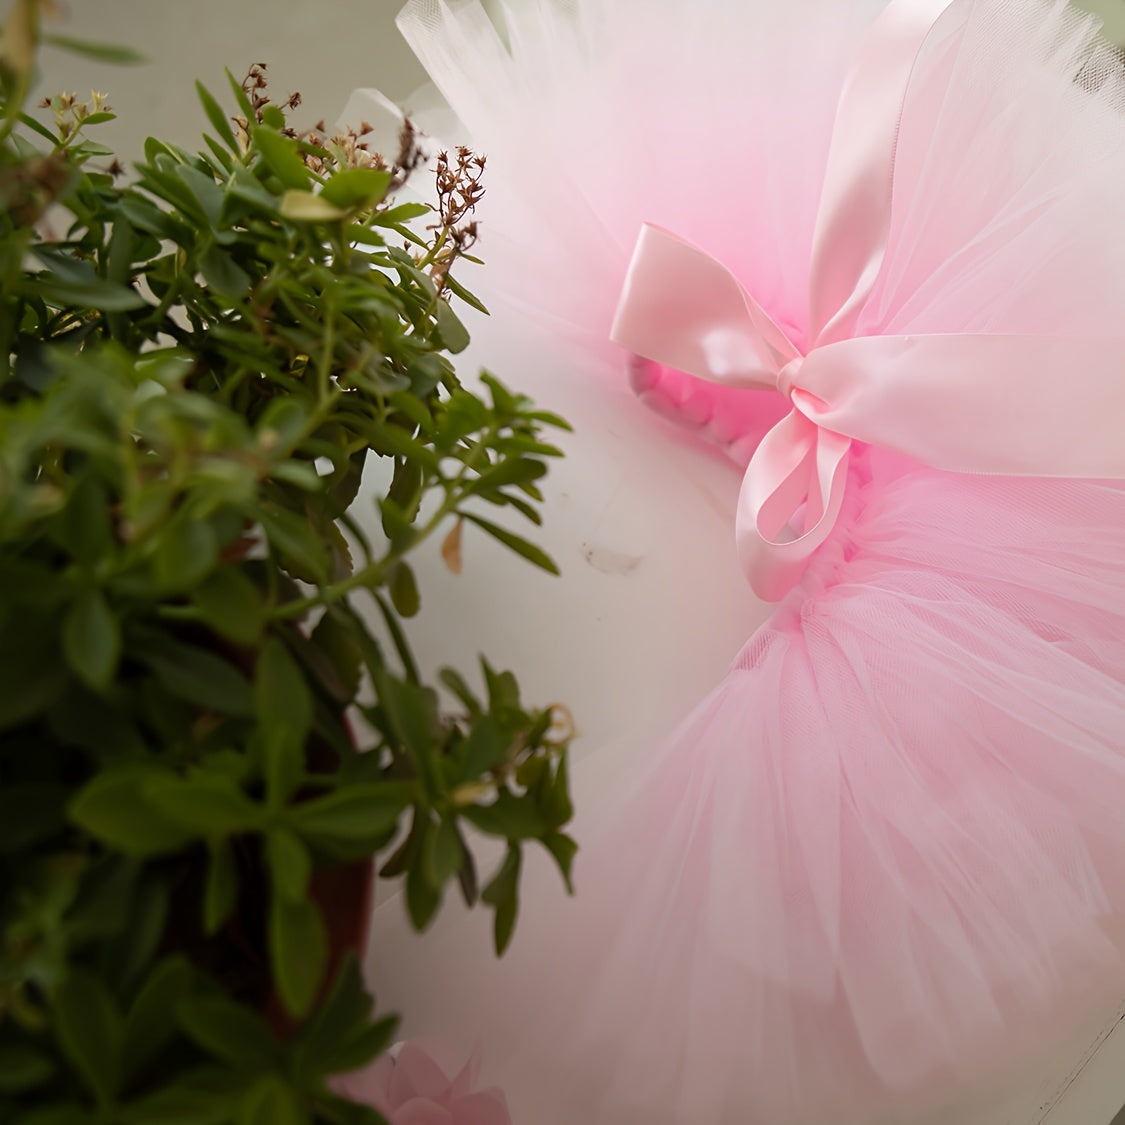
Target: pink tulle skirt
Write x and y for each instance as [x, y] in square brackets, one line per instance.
[886, 854]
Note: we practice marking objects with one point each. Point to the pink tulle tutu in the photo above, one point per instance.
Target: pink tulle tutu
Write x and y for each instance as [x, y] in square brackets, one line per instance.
[887, 853]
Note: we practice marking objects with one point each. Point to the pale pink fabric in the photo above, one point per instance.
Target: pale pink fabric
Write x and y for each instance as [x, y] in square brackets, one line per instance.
[886, 855]
[409, 1087]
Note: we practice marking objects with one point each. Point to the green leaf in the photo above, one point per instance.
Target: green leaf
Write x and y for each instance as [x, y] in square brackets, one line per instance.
[91, 638]
[441, 855]
[179, 1105]
[361, 811]
[219, 121]
[512, 470]
[208, 804]
[23, 1068]
[223, 274]
[564, 849]
[362, 1049]
[202, 678]
[87, 292]
[454, 336]
[102, 52]
[422, 897]
[282, 157]
[186, 551]
[502, 893]
[272, 1101]
[511, 817]
[298, 945]
[220, 892]
[412, 711]
[352, 188]
[515, 543]
[485, 748]
[335, 637]
[458, 290]
[232, 605]
[151, 1024]
[404, 590]
[240, 96]
[304, 554]
[86, 524]
[305, 207]
[456, 684]
[229, 1031]
[402, 213]
[285, 715]
[289, 863]
[339, 1035]
[114, 809]
[90, 1031]
[30, 813]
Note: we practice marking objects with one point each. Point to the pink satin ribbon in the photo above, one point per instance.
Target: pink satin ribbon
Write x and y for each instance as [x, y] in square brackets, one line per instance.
[970, 403]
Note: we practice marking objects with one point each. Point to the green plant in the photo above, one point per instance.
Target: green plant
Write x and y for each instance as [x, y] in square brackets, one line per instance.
[209, 701]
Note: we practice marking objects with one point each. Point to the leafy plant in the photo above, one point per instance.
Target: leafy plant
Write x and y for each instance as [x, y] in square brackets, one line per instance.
[210, 710]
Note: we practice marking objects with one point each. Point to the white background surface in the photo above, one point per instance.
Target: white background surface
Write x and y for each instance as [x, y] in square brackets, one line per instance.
[629, 638]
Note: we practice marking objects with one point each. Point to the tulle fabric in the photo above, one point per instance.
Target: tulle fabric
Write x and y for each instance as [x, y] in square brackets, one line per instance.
[887, 853]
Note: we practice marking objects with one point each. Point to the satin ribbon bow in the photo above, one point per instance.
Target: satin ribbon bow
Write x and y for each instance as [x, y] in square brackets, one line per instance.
[970, 403]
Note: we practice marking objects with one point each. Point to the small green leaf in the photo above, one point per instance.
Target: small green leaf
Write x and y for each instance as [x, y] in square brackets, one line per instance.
[502, 893]
[422, 897]
[102, 52]
[335, 637]
[354, 812]
[151, 1023]
[458, 290]
[220, 892]
[90, 1031]
[339, 1036]
[404, 590]
[271, 1101]
[114, 809]
[289, 863]
[485, 748]
[23, 1068]
[186, 551]
[284, 705]
[93, 292]
[282, 157]
[305, 207]
[219, 121]
[413, 713]
[232, 605]
[30, 813]
[298, 952]
[208, 804]
[304, 554]
[402, 213]
[512, 470]
[351, 188]
[515, 543]
[441, 855]
[223, 274]
[229, 1031]
[91, 637]
[564, 849]
[453, 334]
[201, 678]
[179, 1105]
[86, 523]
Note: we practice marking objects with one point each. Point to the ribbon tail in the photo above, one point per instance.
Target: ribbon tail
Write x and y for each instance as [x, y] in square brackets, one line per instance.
[797, 464]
